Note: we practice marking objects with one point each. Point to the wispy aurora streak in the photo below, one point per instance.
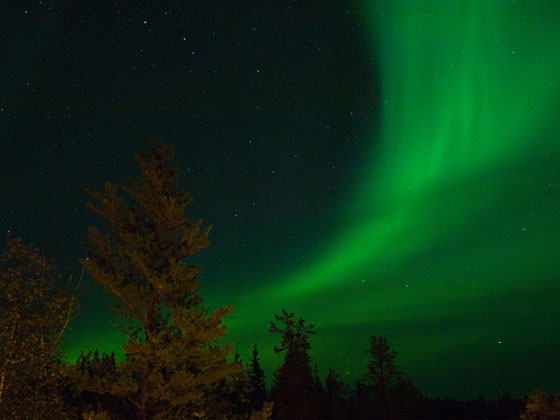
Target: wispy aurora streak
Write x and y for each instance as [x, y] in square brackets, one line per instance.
[462, 189]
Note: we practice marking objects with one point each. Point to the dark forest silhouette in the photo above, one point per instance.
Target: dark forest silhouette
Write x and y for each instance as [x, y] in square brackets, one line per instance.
[174, 367]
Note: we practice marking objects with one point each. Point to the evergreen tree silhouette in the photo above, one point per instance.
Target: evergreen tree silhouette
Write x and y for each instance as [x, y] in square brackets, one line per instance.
[173, 358]
[336, 397]
[294, 386]
[361, 406]
[257, 386]
[390, 393]
[319, 395]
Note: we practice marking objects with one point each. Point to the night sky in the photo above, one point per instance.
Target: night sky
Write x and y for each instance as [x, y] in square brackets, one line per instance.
[386, 168]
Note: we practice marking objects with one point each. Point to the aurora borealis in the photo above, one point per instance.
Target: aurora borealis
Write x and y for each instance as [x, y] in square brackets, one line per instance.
[381, 168]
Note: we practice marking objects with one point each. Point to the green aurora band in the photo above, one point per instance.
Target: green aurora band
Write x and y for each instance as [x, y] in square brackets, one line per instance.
[451, 243]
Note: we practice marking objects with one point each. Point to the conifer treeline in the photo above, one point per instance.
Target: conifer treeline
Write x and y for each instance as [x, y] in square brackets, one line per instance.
[174, 367]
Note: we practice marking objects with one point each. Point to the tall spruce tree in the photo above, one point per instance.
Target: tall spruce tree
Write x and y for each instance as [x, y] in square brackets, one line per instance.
[293, 391]
[172, 355]
[257, 386]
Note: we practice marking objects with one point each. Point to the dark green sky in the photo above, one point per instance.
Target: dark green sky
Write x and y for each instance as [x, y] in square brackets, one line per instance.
[381, 168]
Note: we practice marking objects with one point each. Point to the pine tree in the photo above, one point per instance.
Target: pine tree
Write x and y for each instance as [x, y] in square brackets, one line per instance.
[336, 394]
[172, 353]
[392, 395]
[33, 318]
[256, 381]
[294, 386]
[319, 395]
[361, 406]
[382, 372]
